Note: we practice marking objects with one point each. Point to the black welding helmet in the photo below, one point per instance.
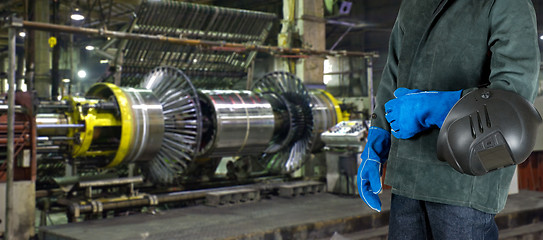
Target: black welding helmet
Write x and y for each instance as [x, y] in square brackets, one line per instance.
[488, 129]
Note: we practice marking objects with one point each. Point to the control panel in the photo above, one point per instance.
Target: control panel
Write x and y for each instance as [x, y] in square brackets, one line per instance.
[345, 134]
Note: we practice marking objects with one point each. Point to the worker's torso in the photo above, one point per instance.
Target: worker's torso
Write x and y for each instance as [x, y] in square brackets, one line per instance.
[444, 46]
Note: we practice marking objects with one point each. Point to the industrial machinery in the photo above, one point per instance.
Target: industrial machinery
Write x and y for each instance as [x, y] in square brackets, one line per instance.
[107, 127]
[344, 144]
[346, 134]
[170, 130]
[95, 147]
[159, 122]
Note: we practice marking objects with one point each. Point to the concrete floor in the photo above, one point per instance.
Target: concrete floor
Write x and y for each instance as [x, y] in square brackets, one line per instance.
[318, 216]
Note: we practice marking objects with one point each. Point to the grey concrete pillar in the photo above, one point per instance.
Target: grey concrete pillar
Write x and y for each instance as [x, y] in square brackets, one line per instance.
[311, 26]
[304, 18]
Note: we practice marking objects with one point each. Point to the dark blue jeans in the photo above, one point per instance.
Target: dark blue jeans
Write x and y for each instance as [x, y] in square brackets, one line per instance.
[418, 220]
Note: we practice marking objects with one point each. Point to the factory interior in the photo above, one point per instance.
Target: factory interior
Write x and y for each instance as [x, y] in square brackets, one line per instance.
[201, 119]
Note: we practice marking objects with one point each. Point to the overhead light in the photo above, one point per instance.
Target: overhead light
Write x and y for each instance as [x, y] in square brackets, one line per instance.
[77, 16]
[81, 74]
[541, 37]
[66, 80]
[104, 61]
[22, 34]
[89, 48]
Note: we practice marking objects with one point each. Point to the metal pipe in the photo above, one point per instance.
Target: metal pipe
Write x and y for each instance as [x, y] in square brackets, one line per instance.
[162, 198]
[6, 107]
[11, 122]
[17, 127]
[48, 148]
[53, 104]
[20, 140]
[75, 208]
[55, 138]
[53, 124]
[213, 45]
[369, 67]
[109, 182]
[341, 38]
[49, 126]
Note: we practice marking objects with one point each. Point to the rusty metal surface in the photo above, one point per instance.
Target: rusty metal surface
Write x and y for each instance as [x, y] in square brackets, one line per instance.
[24, 140]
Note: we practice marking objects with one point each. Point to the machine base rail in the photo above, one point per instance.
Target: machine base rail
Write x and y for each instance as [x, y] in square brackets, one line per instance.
[225, 196]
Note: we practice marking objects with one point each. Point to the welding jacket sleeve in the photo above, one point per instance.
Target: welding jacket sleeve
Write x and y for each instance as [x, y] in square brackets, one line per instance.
[413, 110]
[388, 81]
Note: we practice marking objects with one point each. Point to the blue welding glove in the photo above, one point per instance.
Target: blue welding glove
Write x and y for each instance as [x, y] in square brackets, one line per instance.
[375, 153]
[413, 110]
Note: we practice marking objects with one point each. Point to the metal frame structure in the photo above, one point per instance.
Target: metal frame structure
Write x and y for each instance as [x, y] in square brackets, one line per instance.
[214, 45]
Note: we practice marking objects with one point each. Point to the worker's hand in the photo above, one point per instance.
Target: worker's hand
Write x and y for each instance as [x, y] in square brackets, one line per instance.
[413, 111]
[368, 179]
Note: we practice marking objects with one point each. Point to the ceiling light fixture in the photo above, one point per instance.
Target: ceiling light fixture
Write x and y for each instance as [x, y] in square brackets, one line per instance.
[81, 74]
[77, 16]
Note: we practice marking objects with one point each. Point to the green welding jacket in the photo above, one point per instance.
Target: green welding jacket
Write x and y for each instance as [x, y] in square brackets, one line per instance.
[445, 45]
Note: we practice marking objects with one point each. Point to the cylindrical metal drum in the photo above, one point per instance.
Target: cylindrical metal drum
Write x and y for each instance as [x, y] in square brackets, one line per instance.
[243, 123]
[147, 125]
[141, 121]
[326, 114]
[52, 119]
